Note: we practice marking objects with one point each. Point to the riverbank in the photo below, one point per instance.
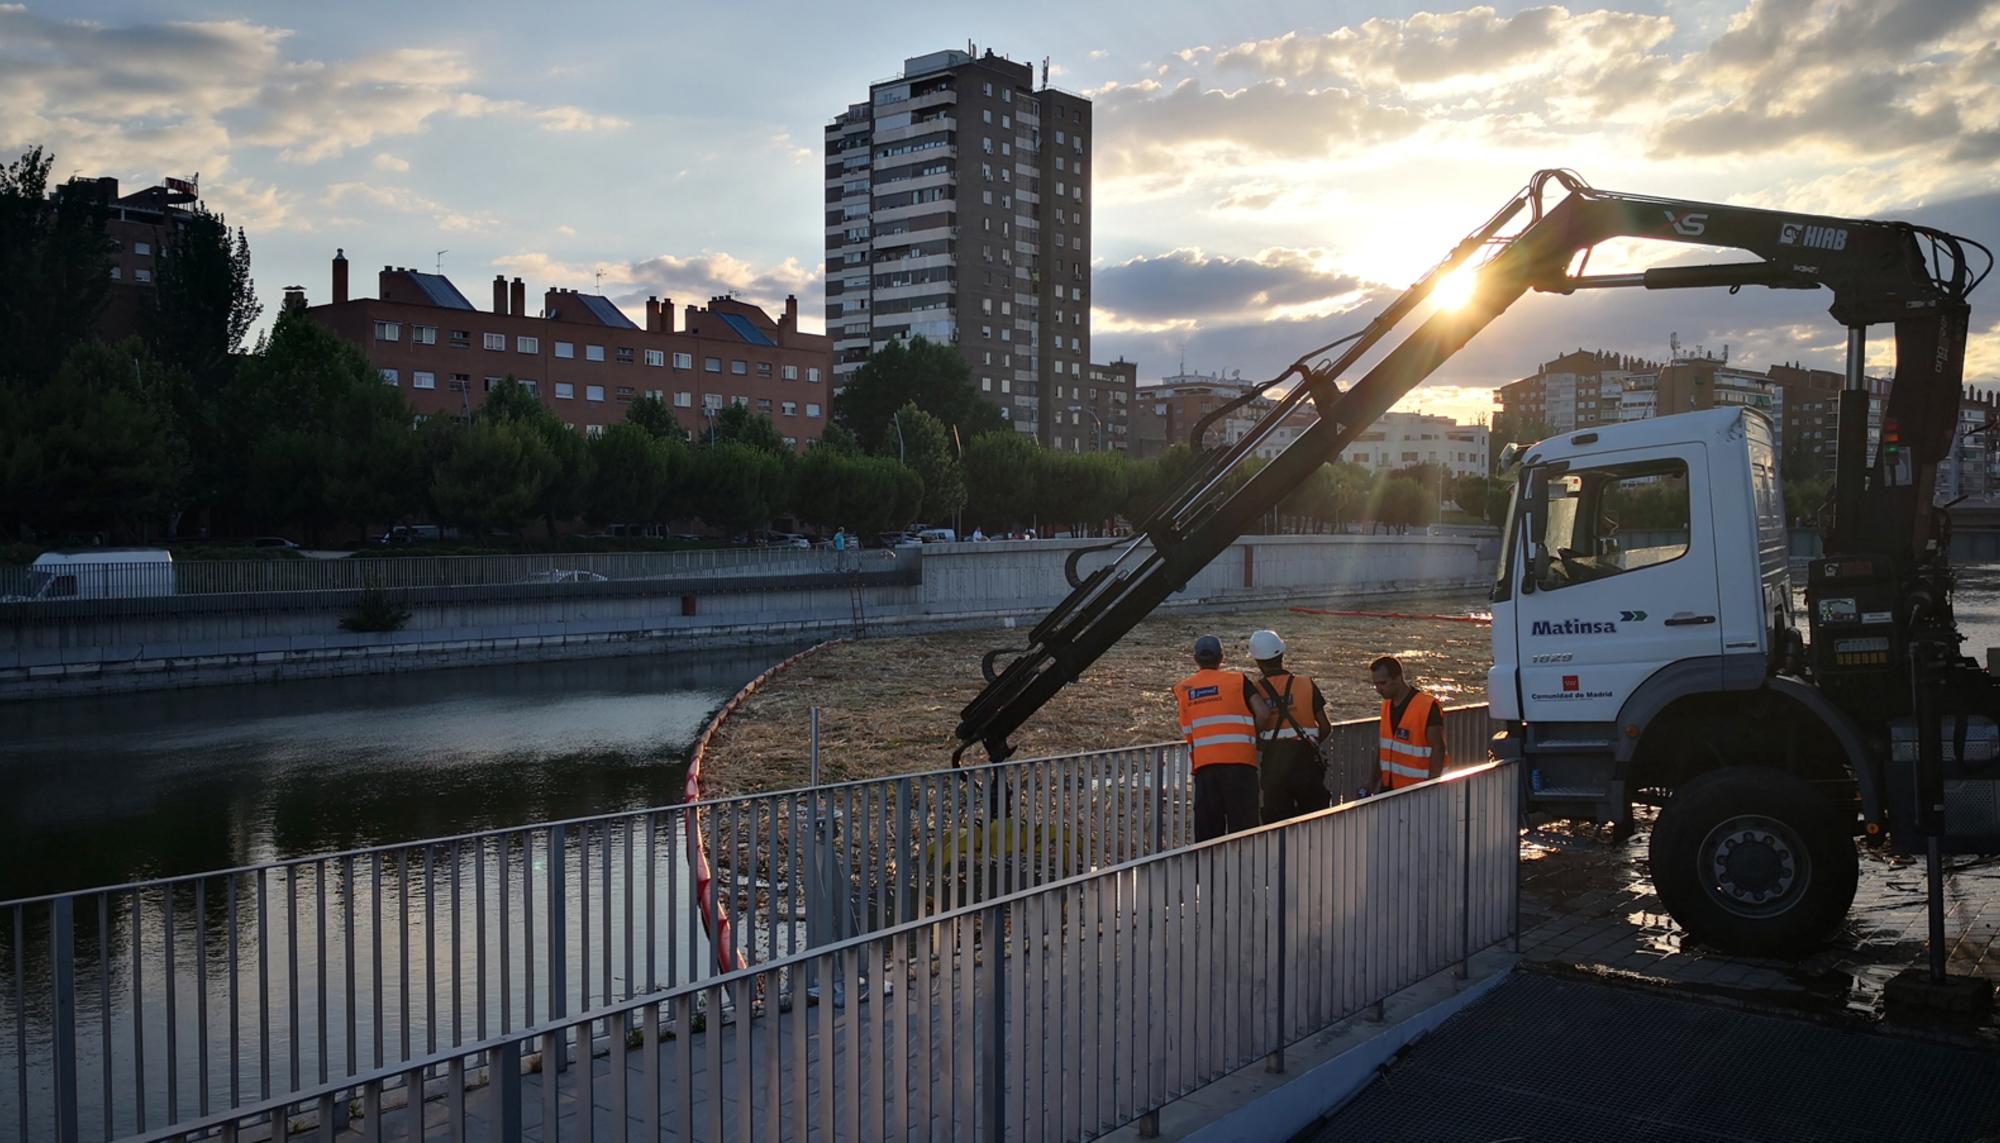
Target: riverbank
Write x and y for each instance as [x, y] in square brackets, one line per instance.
[889, 705]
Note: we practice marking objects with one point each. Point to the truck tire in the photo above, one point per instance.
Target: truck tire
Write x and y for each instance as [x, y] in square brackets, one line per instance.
[1755, 861]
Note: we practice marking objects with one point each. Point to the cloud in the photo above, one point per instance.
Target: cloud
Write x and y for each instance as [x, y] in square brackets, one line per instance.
[1148, 129]
[402, 200]
[384, 161]
[566, 230]
[1184, 285]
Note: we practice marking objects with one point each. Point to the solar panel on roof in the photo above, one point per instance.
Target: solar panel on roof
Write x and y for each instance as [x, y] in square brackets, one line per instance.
[440, 291]
[605, 312]
[747, 331]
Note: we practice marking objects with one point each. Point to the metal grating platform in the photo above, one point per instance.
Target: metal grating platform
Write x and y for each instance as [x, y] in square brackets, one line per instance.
[1545, 1060]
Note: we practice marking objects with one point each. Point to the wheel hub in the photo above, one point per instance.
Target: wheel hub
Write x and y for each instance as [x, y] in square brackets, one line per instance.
[1754, 866]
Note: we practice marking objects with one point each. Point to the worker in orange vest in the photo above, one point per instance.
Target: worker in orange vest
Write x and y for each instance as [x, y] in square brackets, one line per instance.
[1218, 719]
[1291, 724]
[1410, 739]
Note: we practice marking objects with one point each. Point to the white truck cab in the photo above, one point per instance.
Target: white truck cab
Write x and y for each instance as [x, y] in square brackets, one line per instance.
[99, 573]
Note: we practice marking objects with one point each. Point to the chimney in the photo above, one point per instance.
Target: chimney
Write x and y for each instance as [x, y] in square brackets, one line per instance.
[552, 302]
[790, 323]
[518, 298]
[652, 314]
[500, 294]
[382, 290]
[692, 310]
[339, 276]
[295, 299]
[667, 316]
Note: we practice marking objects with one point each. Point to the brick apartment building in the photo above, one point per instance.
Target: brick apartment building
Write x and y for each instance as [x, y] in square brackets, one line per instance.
[580, 354]
[1578, 390]
[1095, 414]
[958, 207]
[138, 224]
[1168, 410]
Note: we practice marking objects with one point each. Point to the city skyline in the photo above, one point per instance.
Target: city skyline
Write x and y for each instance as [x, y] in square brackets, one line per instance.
[1263, 182]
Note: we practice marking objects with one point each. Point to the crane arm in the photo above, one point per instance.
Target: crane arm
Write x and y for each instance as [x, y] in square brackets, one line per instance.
[1877, 271]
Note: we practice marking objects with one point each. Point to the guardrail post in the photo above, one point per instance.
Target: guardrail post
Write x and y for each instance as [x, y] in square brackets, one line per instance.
[62, 956]
[506, 1062]
[1159, 798]
[996, 1044]
[1276, 1061]
[559, 935]
[905, 886]
[1465, 884]
[1513, 788]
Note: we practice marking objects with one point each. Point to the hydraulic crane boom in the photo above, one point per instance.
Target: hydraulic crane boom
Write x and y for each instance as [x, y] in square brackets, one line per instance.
[1878, 271]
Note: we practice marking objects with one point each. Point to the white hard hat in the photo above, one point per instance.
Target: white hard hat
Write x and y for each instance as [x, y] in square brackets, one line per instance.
[1266, 645]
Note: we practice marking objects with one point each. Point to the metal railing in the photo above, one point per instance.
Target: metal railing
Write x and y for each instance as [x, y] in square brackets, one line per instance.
[130, 586]
[1060, 1012]
[130, 1008]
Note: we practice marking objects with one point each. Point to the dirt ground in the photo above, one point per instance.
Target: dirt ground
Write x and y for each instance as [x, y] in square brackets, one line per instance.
[889, 705]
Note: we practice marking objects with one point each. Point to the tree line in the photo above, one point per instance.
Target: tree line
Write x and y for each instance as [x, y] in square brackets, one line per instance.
[183, 431]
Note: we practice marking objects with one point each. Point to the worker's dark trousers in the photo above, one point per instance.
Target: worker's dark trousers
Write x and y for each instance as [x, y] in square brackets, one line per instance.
[1293, 779]
[1225, 800]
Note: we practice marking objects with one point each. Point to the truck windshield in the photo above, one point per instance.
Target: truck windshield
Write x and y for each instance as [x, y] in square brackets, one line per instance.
[1510, 528]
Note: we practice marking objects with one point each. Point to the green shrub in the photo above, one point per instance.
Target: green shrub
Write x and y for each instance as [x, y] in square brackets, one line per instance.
[375, 610]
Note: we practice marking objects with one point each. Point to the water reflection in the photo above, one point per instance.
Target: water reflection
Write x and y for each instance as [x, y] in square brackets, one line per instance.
[110, 789]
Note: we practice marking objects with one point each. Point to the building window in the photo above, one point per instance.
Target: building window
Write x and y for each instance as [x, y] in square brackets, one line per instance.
[142, 248]
[592, 432]
[791, 373]
[496, 341]
[565, 350]
[763, 404]
[683, 400]
[740, 368]
[461, 338]
[812, 410]
[422, 380]
[492, 383]
[461, 382]
[116, 273]
[740, 401]
[711, 364]
[593, 353]
[654, 357]
[711, 401]
[812, 374]
[683, 361]
[565, 391]
[386, 330]
[593, 392]
[763, 369]
[624, 392]
[528, 344]
[625, 356]
[389, 377]
[423, 335]
[791, 408]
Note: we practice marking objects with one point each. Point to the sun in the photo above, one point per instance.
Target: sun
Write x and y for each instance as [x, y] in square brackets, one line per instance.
[1456, 288]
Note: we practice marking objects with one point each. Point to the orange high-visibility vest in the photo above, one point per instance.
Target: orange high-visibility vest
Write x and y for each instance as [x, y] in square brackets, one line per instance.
[1216, 720]
[1405, 748]
[1298, 701]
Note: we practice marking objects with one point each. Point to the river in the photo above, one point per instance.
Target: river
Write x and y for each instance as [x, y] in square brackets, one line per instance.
[117, 788]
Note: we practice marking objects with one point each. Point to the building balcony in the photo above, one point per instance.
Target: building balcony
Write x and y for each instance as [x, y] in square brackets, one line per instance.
[917, 129]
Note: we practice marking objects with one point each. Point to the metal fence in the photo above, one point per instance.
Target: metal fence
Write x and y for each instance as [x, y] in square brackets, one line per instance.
[127, 1009]
[134, 583]
[1060, 1012]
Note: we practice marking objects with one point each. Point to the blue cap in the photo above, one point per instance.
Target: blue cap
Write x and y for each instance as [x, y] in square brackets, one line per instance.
[1207, 648]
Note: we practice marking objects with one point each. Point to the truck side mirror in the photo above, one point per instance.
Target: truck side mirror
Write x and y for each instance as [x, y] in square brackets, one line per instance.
[1535, 514]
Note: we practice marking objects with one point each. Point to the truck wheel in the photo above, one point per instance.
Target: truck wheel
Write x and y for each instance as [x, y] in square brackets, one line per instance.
[1754, 860]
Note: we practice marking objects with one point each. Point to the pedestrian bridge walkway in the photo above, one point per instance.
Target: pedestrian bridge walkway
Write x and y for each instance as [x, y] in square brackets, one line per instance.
[1025, 951]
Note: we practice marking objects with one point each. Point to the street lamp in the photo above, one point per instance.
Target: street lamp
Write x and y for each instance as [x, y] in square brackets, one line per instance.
[708, 411]
[896, 418]
[1097, 426]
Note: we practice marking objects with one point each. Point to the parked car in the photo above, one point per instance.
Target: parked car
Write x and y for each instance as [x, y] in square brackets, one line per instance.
[938, 536]
[786, 540]
[278, 542]
[685, 538]
[897, 540]
[99, 573]
[416, 534]
[564, 575]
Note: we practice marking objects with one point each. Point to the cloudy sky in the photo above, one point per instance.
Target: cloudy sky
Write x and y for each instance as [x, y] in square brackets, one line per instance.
[1265, 175]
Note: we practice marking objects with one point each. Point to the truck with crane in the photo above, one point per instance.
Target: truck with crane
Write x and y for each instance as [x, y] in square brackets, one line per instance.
[1674, 671]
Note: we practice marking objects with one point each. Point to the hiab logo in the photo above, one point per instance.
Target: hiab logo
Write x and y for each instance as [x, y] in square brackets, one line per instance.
[1814, 237]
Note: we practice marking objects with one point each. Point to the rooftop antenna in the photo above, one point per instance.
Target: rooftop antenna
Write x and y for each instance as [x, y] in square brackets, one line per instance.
[600, 279]
[1045, 71]
[440, 261]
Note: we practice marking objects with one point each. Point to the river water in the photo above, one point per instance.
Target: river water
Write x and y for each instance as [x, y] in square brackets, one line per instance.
[118, 788]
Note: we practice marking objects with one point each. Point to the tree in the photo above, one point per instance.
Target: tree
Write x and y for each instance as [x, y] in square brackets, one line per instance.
[633, 474]
[926, 448]
[652, 415]
[55, 268]
[838, 438]
[494, 478]
[1000, 472]
[203, 301]
[1400, 503]
[1469, 493]
[1078, 490]
[99, 447]
[564, 491]
[735, 486]
[866, 494]
[1149, 480]
[935, 377]
[736, 423]
[1517, 428]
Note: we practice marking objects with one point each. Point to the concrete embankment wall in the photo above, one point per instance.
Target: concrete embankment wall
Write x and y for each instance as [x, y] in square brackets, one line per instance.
[122, 645]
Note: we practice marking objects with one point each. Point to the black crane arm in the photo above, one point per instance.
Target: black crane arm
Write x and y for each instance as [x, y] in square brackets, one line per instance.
[1878, 272]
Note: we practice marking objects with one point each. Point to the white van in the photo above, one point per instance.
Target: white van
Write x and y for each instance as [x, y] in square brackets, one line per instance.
[938, 536]
[100, 573]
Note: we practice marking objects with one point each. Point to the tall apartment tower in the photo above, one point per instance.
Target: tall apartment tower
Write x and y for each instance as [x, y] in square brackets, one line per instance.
[958, 208]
